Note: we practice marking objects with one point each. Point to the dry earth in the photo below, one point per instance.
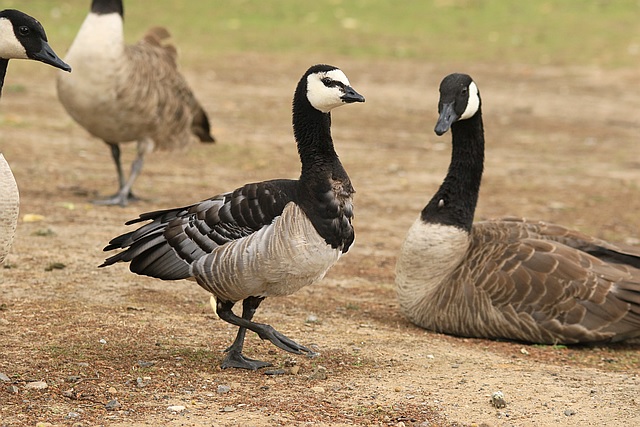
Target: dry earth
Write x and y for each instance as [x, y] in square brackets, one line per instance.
[563, 146]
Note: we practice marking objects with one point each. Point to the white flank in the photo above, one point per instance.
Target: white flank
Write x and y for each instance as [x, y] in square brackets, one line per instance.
[473, 103]
[10, 47]
[276, 260]
[325, 98]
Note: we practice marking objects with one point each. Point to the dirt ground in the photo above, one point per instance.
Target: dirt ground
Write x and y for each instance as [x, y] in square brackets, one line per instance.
[118, 349]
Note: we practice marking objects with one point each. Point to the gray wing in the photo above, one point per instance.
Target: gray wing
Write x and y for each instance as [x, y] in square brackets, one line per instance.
[167, 246]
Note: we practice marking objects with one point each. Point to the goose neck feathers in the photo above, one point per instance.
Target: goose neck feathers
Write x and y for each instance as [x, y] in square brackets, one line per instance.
[459, 109]
[325, 188]
[104, 7]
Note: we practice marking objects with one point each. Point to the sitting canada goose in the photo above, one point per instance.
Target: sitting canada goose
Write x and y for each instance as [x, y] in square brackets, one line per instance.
[263, 239]
[510, 278]
[122, 93]
[21, 37]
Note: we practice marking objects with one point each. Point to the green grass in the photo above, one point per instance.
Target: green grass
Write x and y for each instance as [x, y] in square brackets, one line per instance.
[563, 32]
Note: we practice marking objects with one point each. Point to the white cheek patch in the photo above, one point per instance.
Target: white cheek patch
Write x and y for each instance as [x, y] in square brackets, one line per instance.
[473, 103]
[10, 47]
[325, 98]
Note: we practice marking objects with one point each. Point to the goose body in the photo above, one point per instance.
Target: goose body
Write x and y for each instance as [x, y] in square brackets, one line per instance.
[21, 37]
[509, 278]
[263, 239]
[9, 205]
[122, 93]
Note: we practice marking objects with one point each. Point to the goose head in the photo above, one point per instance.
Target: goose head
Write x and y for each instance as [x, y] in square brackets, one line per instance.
[459, 100]
[327, 87]
[22, 37]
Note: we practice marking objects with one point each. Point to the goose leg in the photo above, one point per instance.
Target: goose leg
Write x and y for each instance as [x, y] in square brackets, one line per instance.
[235, 358]
[265, 332]
[124, 195]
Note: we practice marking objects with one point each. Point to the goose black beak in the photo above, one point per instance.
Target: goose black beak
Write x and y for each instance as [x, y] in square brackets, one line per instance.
[448, 115]
[350, 95]
[48, 56]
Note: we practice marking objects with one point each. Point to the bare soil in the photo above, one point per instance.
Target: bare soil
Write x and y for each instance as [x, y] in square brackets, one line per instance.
[562, 146]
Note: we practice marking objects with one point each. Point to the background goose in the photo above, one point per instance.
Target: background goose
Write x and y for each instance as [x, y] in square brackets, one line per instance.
[509, 278]
[21, 37]
[122, 93]
[263, 239]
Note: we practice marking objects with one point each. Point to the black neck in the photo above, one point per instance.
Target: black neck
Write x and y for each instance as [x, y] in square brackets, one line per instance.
[104, 7]
[3, 72]
[312, 130]
[455, 201]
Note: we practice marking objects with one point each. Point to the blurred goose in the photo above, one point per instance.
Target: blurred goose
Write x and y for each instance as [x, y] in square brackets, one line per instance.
[263, 239]
[21, 37]
[122, 93]
[510, 278]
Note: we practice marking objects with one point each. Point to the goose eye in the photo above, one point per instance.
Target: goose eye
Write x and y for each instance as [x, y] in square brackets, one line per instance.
[23, 30]
[465, 90]
[327, 81]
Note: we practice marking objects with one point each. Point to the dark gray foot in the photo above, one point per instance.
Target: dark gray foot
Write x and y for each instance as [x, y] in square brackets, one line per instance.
[237, 360]
[267, 332]
[117, 199]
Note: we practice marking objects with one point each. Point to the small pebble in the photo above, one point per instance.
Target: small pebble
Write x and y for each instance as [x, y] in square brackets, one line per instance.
[4, 377]
[224, 389]
[41, 424]
[312, 318]
[72, 415]
[103, 341]
[145, 364]
[275, 372]
[228, 409]
[497, 399]
[294, 370]
[317, 389]
[36, 385]
[73, 378]
[176, 408]
[112, 405]
[112, 390]
[13, 389]
[569, 412]
[320, 373]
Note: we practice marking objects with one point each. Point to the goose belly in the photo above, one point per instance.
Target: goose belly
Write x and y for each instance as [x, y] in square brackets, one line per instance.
[9, 204]
[277, 260]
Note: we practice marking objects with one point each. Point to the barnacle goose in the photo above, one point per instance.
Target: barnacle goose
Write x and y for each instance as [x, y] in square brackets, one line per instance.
[263, 239]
